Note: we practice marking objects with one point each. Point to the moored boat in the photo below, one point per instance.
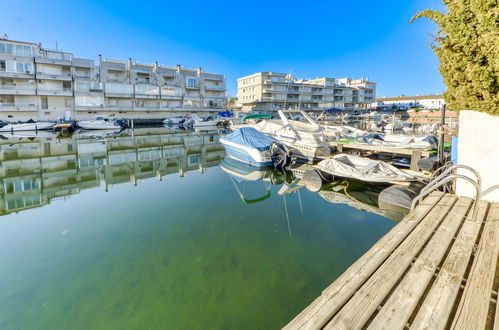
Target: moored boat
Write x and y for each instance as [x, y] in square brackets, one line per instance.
[249, 146]
[100, 123]
[28, 126]
[361, 168]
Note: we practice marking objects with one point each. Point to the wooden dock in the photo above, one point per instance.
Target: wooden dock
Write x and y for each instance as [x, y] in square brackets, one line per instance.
[436, 269]
[416, 154]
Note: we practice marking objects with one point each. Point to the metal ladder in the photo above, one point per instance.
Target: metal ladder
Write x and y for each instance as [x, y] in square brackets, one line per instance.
[444, 178]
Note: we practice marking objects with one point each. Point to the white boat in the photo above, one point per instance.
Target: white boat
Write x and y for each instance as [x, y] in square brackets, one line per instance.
[29, 134]
[174, 120]
[338, 132]
[249, 145]
[203, 122]
[364, 169]
[304, 139]
[100, 123]
[34, 126]
[424, 142]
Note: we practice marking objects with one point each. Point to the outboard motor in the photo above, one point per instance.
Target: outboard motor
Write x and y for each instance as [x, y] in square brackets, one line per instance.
[280, 155]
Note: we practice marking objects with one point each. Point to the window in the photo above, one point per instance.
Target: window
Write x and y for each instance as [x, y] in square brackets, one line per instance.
[66, 85]
[67, 102]
[2, 66]
[6, 48]
[45, 102]
[192, 82]
[21, 67]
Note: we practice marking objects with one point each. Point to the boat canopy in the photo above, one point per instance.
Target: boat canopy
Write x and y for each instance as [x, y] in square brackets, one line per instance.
[225, 114]
[250, 137]
[256, 116]
[333, 110]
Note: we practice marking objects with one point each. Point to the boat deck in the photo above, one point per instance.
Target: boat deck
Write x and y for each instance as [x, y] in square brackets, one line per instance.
[436, 269]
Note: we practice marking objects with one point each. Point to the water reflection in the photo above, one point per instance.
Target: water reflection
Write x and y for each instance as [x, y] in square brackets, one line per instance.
[37, 168]
[359, 195]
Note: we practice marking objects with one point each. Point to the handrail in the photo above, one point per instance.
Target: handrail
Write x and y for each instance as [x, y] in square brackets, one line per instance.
[447, 171]
[438, 182]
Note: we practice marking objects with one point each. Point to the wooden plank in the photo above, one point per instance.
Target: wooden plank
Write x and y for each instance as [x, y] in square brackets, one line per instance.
[474, 305]
[320, 311]
[366, 300]
[398, 308]
[375, 148]
[415, 157]
[437, 306]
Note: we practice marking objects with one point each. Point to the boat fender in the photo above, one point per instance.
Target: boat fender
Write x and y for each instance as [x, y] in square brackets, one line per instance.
[427, 164]
[313, 180]
[398, 196]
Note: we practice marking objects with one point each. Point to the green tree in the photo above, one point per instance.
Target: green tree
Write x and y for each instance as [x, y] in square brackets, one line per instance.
[467, 46]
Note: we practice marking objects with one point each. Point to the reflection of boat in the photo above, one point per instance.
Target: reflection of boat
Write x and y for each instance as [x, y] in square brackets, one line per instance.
[100, 122]
[100, 133]
[249, 145]
[361, 168]
[241, 172]
[360, 196]
[28, 126]
[29, 134]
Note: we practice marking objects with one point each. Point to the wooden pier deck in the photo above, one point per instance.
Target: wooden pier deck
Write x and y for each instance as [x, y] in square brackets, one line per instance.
[436, 269]
[416, 154]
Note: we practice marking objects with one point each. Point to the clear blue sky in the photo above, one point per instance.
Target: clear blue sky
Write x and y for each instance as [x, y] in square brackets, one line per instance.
[370, 38]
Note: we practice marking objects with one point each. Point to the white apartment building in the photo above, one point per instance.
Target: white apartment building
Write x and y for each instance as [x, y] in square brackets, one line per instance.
[267, 91]
[435, 101]
[44, 84]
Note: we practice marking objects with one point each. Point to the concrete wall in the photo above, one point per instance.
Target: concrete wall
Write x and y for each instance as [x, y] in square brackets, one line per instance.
[479, 148]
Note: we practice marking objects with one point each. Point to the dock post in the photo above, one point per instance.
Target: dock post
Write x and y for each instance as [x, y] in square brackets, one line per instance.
[415, 157]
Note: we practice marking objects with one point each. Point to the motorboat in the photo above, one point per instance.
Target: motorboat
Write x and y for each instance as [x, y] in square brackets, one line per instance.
[424, 142]
[361, 168]
[305, 140]
[45, 134]
[338, 132]
[100, 122]
[176, 121]
[27, 126]
[250, 146]
[203, 122]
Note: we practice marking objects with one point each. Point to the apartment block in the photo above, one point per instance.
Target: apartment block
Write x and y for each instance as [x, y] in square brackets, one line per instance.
[435, 101]
[267, 91]
[42, 84]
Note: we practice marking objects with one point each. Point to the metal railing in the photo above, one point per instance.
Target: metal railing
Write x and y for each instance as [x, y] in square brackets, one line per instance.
[444, 178]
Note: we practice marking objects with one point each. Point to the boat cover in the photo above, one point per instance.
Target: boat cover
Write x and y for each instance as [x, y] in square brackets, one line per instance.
[365, 169]
[250, 137]
[256, 116]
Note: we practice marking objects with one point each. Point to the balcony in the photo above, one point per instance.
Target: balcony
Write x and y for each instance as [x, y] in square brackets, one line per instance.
[22, 75]
[17, 90]
[57, 92]
[171, 92]
[5, 106]
[146, 91]
[51, 76]
[214, 87]
[83, 63]
[56, 61]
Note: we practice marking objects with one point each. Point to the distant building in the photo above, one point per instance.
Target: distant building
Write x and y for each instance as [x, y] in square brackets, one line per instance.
[44, 84]
[272, 91]
[435, 101]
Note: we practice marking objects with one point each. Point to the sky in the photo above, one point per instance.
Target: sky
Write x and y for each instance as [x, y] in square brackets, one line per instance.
[309, 39]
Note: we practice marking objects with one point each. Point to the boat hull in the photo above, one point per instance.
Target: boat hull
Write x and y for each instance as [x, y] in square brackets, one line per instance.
[245, 154]
[27, 127]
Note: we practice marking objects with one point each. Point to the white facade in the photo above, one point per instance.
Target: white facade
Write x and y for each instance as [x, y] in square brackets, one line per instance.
[43, 84]
[407, 102]
[270, 91]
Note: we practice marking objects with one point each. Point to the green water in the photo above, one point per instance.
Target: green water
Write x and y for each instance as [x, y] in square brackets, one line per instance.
[176, 253]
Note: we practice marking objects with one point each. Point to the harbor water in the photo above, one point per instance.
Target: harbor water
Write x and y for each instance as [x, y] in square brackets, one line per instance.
[156, 230]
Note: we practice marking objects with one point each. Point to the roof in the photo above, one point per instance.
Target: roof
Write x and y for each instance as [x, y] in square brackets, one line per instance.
[409, 98]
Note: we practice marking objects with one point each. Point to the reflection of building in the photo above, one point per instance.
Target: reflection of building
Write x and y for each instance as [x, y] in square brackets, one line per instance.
[44, 84]
[270, 91]
[34, 172]
[407, 102]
